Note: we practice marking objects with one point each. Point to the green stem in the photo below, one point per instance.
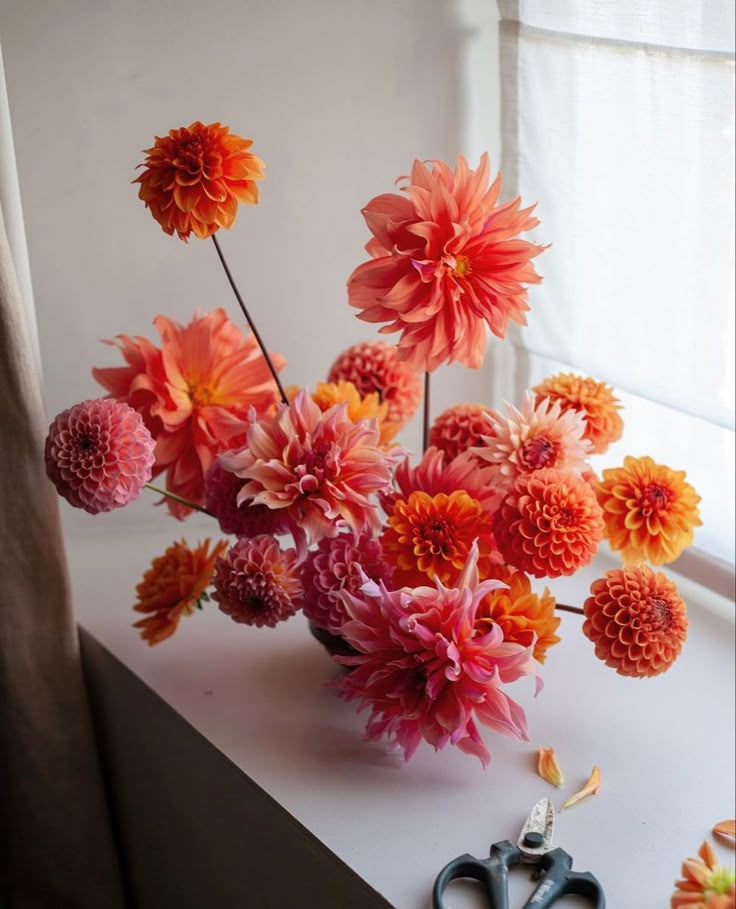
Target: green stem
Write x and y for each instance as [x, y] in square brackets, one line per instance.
[179, 499]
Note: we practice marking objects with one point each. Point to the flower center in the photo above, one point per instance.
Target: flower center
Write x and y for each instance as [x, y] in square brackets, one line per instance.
[86, 443]
[661, 614]
[201, 394]
[435, 537]
[655, 498]
[190, 155]
[319, 464]
[538, 452]
[462, 266]
[565, 517]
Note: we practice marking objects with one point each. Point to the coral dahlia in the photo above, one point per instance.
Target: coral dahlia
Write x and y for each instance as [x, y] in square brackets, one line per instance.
[549, 524]
[636, 619]
[424, 671]
[705, 884]
[195, 177]
[461, 427]
[257, 583]
[650, 510]
[99, 455]
[594, 400]
[446, 262]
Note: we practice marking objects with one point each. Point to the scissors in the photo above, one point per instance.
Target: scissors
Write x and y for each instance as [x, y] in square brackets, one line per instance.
[534, 847]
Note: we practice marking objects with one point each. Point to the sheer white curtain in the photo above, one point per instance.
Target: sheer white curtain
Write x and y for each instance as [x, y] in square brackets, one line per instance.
[619, 118]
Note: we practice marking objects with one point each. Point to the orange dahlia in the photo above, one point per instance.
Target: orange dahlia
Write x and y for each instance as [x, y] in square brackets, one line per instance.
[705, 884]
[173, 586]
[549, 524]
[368, 407]
[446, 262]
[594, 400]
[649, 510]
[519, 612]
[636, 619]
[195, 177]
[374, 366]
[459, 427]
[428, 537]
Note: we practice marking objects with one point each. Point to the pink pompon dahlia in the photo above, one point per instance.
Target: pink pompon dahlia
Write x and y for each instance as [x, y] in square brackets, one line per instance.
[99, 455]
[460, 428]
[374, 366]
[257, 583]
[549, 524]
[194, 393]
[320, 468]
[446, 261]
[221, 490]
[425, 672]
[337, 565]
[534, 438]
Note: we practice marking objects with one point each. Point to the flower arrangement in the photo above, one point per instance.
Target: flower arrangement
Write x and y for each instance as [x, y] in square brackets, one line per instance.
[420, 573]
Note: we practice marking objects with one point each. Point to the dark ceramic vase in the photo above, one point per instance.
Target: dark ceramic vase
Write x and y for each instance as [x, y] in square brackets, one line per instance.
[333, 643]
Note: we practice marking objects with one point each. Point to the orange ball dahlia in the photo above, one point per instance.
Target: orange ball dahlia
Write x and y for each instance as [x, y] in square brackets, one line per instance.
[195, 177]
[594, 400]
[636, 619]
[374, 366]
[446, 263]
[549, 524]
[459, 427]
[520, 613]
[173, 586]
[649, 510]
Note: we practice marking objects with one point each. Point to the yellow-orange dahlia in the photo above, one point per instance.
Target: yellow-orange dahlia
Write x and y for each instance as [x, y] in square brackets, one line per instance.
[649, 510]
[367, 407]
[549, 524]
[428, 537]
[173, 586]
[594, 400]
[460, 427]
[195, 177]
[520, 612]
[636, 619]
[705, 884]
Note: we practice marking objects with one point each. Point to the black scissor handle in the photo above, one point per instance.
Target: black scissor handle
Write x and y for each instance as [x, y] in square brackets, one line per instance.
[493, 872]
[559, 879]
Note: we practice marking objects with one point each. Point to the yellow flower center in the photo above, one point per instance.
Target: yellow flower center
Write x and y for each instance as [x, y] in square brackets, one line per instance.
[201, 394]
[462, 266]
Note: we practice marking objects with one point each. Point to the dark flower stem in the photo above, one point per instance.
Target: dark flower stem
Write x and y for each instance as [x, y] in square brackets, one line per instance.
[250, 322]
[176, 498]
[566, 608]
[425, 423]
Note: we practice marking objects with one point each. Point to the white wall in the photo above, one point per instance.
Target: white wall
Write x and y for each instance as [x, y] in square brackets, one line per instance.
[339, 97]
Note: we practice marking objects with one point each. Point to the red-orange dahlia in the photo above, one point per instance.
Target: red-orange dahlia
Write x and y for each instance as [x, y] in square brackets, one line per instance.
[374, 366]
[636, 619]
[520, 612]
[594, 400]
[173, 586]
[460, 427]
[549, 524]
[649, 510]
[195, 177]
[446, 262]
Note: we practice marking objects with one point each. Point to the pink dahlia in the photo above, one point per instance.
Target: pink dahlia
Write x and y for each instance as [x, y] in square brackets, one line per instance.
[257, 583]
[534, 438]
[460, 427]
[221, 490]
[320, 468]
[446, 262]
[374, 366]
[99, 455]
[340, 564]
[425, 672]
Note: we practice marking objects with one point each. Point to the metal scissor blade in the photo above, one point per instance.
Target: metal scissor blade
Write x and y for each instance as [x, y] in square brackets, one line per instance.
[536, 835]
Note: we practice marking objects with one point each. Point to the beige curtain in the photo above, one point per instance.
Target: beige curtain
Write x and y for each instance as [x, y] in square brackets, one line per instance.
[56, 847]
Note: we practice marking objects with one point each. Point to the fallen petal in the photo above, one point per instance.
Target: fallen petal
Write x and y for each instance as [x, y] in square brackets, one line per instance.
[726, 830]
[590, 788]
[548, 768]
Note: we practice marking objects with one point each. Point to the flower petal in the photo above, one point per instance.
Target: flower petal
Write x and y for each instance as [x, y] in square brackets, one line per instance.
[590, 788]
[548, 768]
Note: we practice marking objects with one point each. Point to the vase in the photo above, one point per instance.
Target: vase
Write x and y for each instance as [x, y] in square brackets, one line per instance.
[333, 643]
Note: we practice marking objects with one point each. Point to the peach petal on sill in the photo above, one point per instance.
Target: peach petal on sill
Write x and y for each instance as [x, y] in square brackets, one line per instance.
[726, 832]
[548, 768]
[590, 788]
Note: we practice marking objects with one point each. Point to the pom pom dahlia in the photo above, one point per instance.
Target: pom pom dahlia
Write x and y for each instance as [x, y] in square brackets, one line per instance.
[446, 262]
[649, 510]
[195, 177]
[374, 366]
[195, 394]
[637, 621]
[460, 427]
[594, 400]
[173, 586]
[549, 524]
[99, 455]
[424, 671]
[705, 884]
[221, 490]
[257, 583]
[340, 564]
